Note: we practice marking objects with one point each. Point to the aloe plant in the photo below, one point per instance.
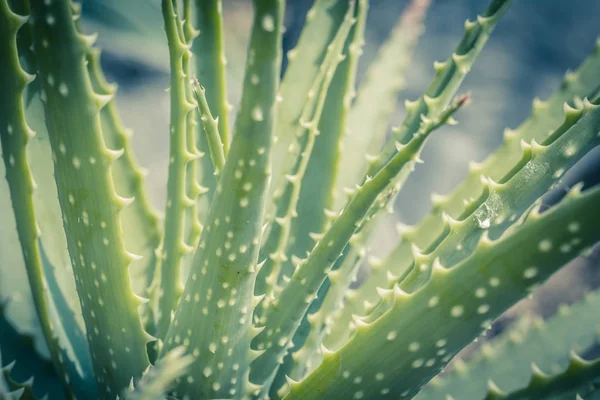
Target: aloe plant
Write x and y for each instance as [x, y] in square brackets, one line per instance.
[246, 288]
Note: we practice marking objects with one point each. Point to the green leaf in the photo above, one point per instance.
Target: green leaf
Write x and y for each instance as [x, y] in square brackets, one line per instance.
[580, 380]
[507, 359]
[18, 349]
[377, 97]
[220, 287]
[403, 349]
[304, 61]
[499, 166]
[283, 316]
[89, 203]
[182, 156]
[158, 378]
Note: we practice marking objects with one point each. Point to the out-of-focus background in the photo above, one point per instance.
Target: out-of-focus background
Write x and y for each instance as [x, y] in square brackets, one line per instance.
[527, 56]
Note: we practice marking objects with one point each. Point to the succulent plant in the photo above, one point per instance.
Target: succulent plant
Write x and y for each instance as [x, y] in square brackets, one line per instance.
[246, 287]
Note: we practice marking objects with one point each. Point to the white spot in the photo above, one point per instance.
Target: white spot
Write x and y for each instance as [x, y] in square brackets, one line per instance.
[480, 293]
[570, 151]
[63, 89]
[257, 114]
[545, 245]
[558, 173]
[494, 282]
[457, 311]
[418, 363]
[530, 273]
[565, 248]
[391, 335]
[268, 23]
[573, 227]
[482, 309]
[414, 346]
[433, 301]
[76, 162]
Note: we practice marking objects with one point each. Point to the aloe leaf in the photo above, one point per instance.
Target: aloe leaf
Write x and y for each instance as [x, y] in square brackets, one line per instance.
[208, 49]
[377, 97]
[25, 48]
[322, 22]
[346, 269]
[209, 65]
[65, 310]
[211, 126]
[579, 380]
[501, 204]
[140, 220]
[224, 267]
[174, 247]
[52, 242]
[194, 169]
[15, 390]
[545, 120]
[14, 283]
[18, 351]
[449, 76]
[316, 194]
[277, 239]
[283, 317]
[63, 304]
[409, 344]
[506, 360]
[89, 203]
[5, 390]
[158, 379]
[21, 185]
